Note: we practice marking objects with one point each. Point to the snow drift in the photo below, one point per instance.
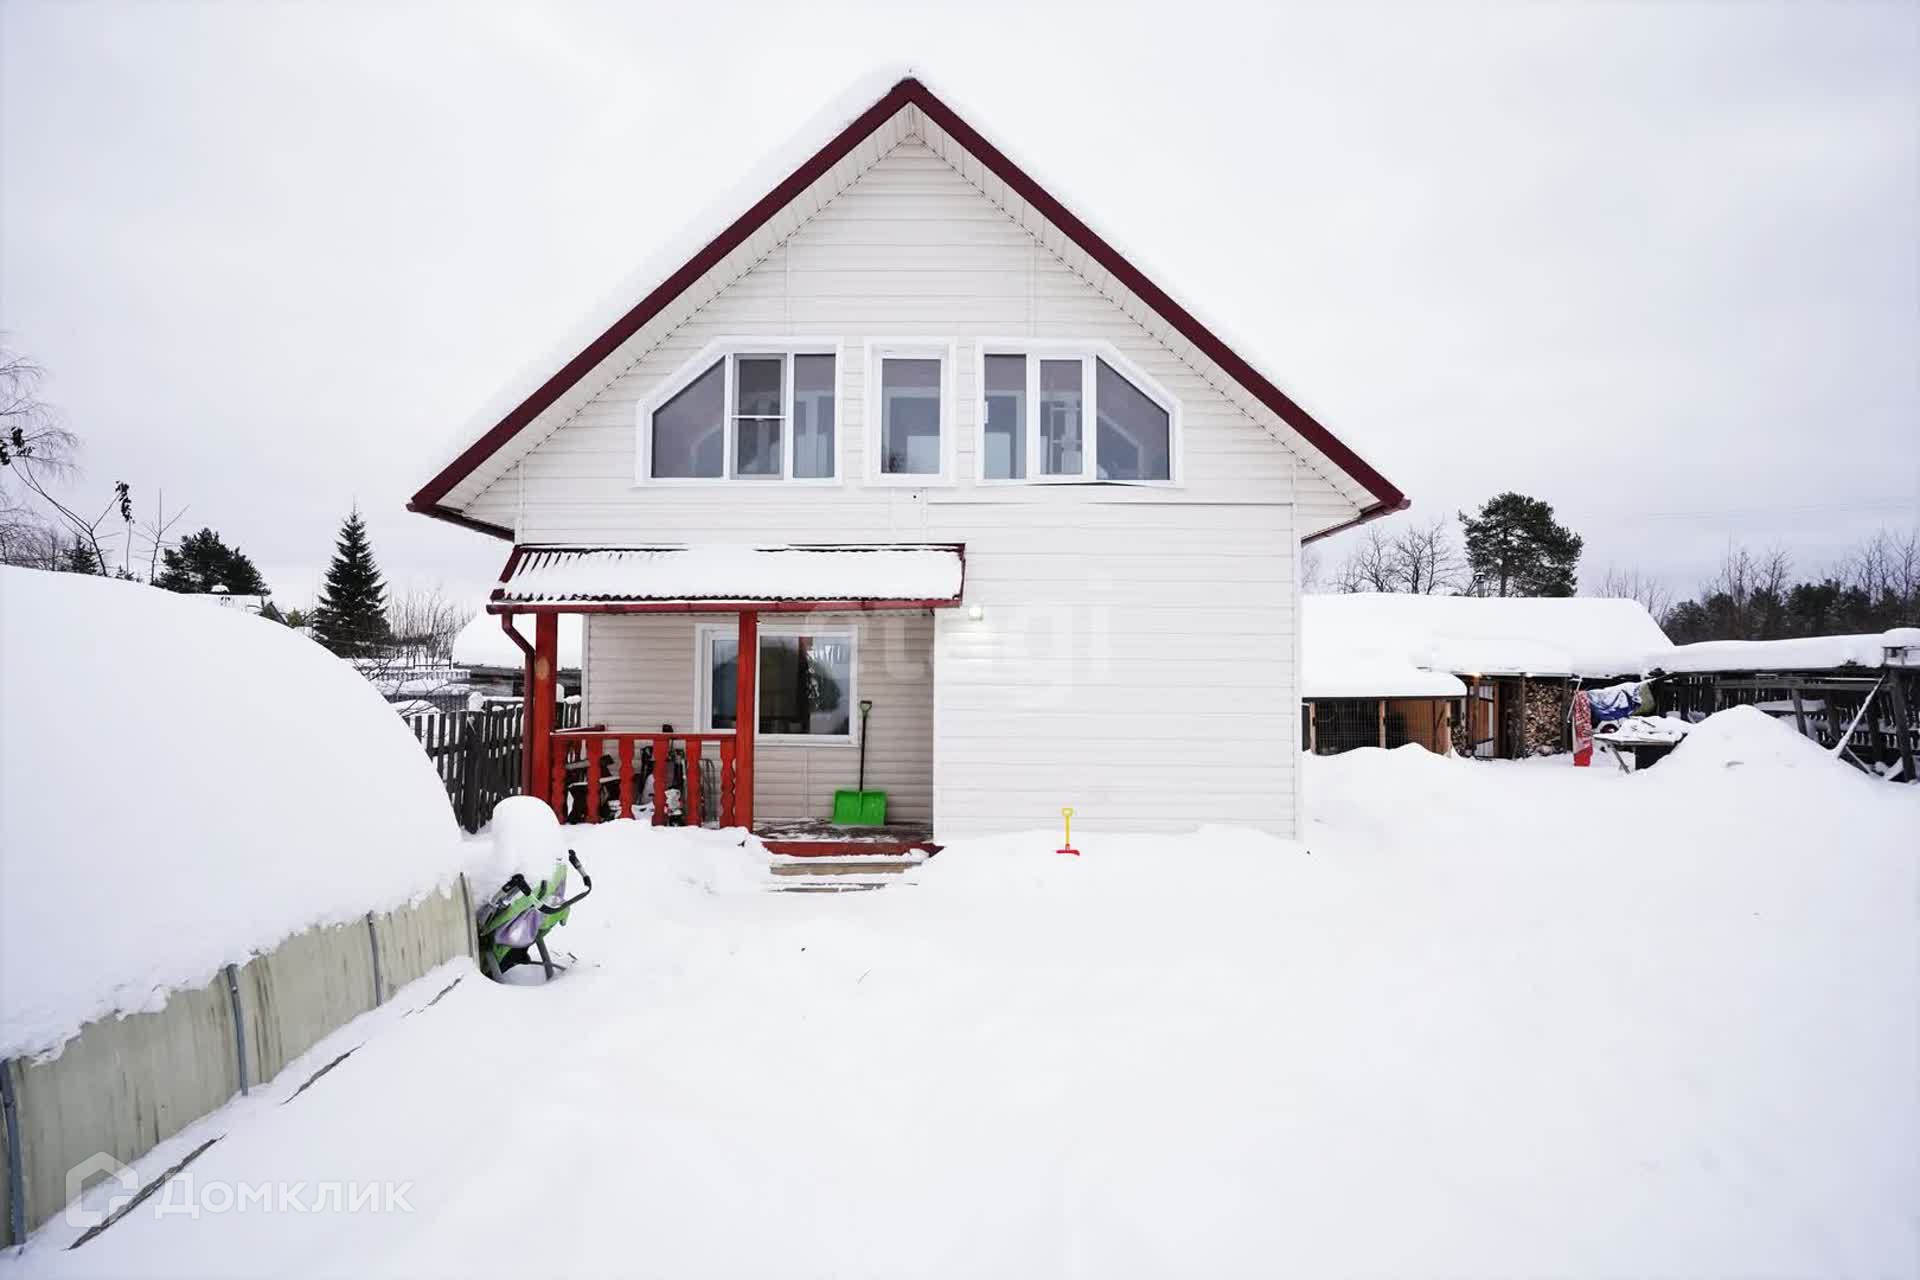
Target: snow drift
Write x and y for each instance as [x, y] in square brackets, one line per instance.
[182, 787]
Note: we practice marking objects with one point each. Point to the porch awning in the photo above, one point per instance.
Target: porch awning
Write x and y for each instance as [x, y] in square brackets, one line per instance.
[592, 579]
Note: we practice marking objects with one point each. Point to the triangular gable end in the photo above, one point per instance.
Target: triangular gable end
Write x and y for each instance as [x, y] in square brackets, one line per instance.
[908, 109]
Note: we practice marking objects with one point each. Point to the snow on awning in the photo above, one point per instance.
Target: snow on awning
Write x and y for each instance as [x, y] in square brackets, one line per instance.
[642, 579]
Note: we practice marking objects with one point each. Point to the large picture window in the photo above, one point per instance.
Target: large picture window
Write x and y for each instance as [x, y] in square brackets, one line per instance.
[1059, 411]
[754, 413]
[804, 684]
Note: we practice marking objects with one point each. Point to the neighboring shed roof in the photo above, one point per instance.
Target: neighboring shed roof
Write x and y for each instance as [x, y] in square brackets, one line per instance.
[1344, 638]
[852, 137]
[858, 576]
[482, 643]
[1809, 653]
[1326, 672]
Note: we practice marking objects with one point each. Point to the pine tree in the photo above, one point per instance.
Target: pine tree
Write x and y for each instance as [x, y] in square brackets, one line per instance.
[1516, 548]
[79, 558]
[351, 616]
[203, 561]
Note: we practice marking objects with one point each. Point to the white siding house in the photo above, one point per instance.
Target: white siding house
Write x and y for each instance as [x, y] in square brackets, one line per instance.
[909, 341]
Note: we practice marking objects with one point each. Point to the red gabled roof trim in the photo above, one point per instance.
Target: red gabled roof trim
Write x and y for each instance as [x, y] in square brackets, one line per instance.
[908, 92]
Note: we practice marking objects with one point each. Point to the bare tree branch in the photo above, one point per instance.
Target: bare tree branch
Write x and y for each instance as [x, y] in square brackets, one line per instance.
[1632, 584]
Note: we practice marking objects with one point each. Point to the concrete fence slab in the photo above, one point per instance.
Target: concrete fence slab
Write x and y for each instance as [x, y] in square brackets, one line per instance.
[303, 989]
[121, 1086]
[125, 1084]
[418, 937]
[9, 1154]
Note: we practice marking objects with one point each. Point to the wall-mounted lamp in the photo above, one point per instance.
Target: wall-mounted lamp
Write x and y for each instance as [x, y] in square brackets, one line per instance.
[975, 612]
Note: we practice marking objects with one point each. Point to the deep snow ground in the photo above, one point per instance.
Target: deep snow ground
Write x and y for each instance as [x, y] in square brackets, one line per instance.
[1482, 1019]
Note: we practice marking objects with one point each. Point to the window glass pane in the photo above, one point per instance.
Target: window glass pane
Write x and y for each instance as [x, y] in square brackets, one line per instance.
[722, 691]
[1135, 432]
[1060, 418]
[687, 434]
[1006, 444]
[804, 681]
[813, 425]
[756, 414]
[910, 417]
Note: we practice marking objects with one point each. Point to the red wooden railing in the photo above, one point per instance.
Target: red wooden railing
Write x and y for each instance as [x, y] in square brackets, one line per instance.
[589, 746]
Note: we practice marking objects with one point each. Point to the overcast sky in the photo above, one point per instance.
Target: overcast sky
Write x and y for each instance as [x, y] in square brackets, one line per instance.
[1655, 264]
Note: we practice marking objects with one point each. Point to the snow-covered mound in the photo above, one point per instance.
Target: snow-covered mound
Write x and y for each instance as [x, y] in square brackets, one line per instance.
[483, 643]
[1742, 736]
[181, 787]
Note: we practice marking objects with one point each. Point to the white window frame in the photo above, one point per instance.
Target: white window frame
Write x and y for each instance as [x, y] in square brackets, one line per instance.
[730, 350]
[947, 352]
[704, 635]
[1087, 351]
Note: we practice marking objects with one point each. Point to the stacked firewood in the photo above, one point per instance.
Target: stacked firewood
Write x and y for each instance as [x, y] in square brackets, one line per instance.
[1546, 718]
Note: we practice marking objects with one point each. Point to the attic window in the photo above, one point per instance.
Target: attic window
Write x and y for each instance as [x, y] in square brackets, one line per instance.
[688, 429]
[1135, 432]
[910, 411]
[757, 411]
[1064, 411]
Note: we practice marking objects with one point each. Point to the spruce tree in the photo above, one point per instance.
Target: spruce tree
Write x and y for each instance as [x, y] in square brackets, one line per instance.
[1516, 548]
[79, 558]
[203, 561]
[351, 617]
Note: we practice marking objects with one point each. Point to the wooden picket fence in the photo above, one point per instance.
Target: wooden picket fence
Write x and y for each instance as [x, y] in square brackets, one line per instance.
[477, 754]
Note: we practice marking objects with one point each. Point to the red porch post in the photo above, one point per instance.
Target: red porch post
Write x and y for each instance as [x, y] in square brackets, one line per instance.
[745, 716]
[540, 706]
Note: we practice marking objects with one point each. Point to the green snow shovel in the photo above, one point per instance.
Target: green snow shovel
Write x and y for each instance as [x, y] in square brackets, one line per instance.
[861, 807]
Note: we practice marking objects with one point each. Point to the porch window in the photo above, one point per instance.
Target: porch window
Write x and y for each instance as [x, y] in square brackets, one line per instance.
[1065, 411]
[804, 684]
[756, 413]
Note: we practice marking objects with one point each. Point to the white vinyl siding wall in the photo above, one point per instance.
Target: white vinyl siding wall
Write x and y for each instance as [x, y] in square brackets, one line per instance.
[643, 673]
[1133, 662]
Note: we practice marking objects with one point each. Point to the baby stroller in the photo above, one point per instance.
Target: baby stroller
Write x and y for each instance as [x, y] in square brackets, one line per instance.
[514, 923]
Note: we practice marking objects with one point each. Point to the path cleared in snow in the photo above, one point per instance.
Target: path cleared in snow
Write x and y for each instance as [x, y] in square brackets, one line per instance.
[1484, 1019]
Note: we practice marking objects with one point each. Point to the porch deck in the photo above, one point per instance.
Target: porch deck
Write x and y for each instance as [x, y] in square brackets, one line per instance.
[819, 838]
